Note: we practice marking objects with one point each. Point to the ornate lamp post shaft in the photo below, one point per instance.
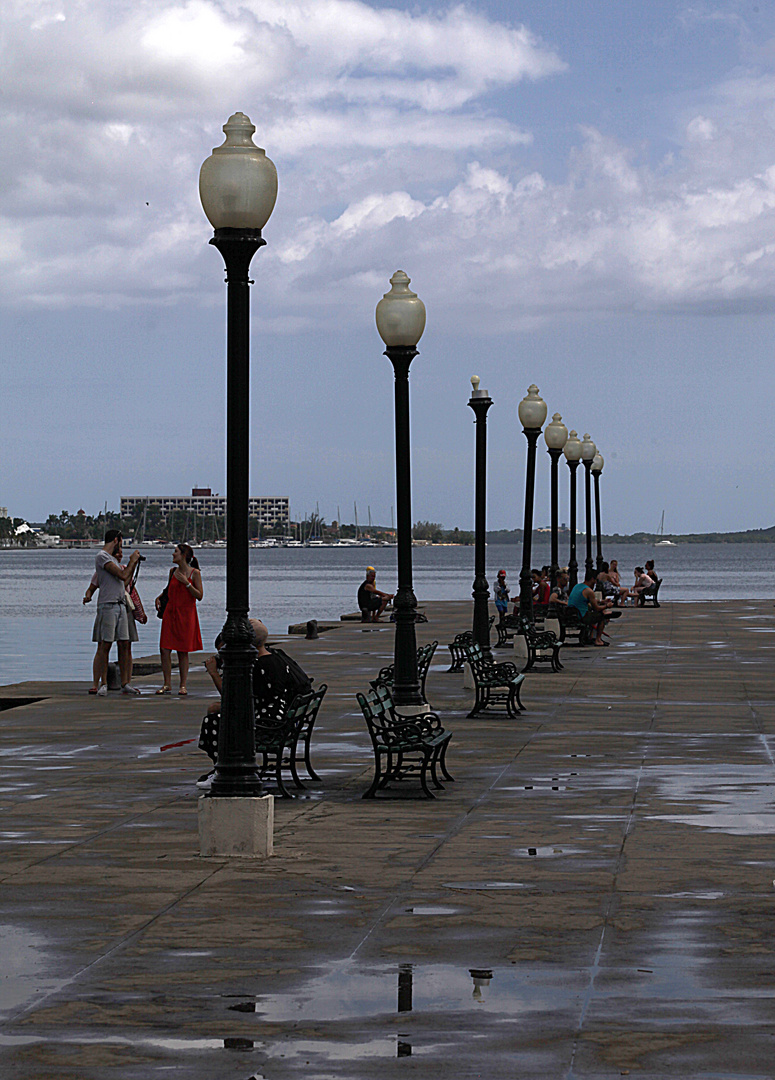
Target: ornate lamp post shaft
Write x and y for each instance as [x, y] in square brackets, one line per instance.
[400, 322]
[238, 189]
[556, 436]
[480, 402]
[406, 687]
[573, 565]
[532, 413]
[588, 451]
[236, 771]
[597, 468]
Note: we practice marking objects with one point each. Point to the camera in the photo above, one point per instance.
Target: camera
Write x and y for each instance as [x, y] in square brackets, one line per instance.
[141, 559]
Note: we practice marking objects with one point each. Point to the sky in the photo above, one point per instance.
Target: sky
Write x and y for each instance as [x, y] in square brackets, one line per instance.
[582, 194]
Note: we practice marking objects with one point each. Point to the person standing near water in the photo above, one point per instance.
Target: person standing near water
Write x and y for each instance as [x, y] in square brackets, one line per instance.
[112, 622]
[180, 623]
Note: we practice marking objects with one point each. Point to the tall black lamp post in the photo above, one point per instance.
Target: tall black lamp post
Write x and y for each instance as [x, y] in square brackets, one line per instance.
[597, 467]
[588, 451]
[572, 451]
[238, 189]
[555, 436]
[532, 413]
[400, 322]
[480, 401]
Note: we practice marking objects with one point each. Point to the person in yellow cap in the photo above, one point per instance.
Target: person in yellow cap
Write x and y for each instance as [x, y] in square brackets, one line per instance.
[371, 601]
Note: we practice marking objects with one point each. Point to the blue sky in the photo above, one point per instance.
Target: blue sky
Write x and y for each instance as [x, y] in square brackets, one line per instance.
[583, 194]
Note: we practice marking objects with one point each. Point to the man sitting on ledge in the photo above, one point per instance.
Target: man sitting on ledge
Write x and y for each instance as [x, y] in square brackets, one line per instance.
[372, 602]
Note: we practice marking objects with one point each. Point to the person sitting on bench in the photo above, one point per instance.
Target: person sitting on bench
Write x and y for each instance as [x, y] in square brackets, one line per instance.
[372, 602]
[592, 612]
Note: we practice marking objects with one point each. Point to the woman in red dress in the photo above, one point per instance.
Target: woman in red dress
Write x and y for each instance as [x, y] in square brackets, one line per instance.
[180, 624]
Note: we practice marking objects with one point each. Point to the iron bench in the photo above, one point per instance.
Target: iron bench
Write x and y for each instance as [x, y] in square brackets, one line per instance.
[386, 676]
[495, 685]
[403, 745]
[506, 627]
[279, 741]
[466, 637]
[571, 626]
[543, 646]
[650, 595]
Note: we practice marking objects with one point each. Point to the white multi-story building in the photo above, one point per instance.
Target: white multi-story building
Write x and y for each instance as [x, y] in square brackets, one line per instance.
[3, 511]
[270, 510]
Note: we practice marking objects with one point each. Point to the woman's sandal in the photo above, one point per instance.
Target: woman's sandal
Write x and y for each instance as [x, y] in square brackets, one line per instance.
[92, 689]
[182, 692]
[165, 690]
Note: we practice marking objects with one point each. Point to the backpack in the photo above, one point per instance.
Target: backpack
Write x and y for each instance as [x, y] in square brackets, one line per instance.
[299, 681]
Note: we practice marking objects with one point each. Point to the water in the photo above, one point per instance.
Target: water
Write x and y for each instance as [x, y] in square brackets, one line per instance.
[45, 630]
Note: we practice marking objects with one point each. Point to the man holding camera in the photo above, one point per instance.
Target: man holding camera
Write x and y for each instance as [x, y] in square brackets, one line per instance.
[112, 621]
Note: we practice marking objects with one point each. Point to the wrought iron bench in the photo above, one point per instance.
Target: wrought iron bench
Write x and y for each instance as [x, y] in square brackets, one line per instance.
[386, 676]
[280, 742]
[572, 629]
[403, 745]
[506, 627]
[650, 595]
[543, 646]
[495, 685]
[456, 647]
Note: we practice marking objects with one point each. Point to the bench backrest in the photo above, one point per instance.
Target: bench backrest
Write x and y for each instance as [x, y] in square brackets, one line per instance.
[303, 710]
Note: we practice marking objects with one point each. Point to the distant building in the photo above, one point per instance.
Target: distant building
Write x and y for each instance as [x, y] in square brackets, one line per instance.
[270, 510]
[3, 511]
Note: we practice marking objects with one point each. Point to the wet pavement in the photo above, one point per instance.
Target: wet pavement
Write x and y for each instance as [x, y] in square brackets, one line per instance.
[592, 897]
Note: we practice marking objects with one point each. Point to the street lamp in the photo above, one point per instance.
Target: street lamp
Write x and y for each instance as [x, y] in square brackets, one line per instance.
[588, 451]
[572, 451]
[480, 401]
[400, 322]
[597, 467]
[238, 189]
[555, 436]
[532, 413]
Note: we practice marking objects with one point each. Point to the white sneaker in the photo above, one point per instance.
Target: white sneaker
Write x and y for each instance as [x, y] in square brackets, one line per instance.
[206, 782]
[127, 688]
[103, 691]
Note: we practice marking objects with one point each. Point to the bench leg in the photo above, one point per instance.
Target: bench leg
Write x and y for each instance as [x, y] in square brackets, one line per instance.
[443, 762]
[377, 777]
[292, 765]
[424, 776]
[307, 763]
[434, 761]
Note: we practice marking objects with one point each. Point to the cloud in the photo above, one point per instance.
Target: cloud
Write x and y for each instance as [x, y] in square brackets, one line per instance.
[391, 150]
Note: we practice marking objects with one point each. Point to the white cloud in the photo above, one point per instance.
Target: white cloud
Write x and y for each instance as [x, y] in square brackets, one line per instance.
[389, 154]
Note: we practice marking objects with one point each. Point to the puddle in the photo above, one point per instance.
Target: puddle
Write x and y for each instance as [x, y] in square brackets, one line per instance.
[25, 973]
[350, 991]
[548, 852]
[734, 799]
[431, 909]
[477, 885]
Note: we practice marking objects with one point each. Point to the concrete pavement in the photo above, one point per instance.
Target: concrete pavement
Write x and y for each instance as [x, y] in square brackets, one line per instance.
[592, 897]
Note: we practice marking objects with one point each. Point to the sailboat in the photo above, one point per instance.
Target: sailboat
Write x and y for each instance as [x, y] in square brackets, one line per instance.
[661, 542]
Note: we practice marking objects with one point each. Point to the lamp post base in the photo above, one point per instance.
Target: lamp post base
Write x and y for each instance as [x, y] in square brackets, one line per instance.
[239, 827]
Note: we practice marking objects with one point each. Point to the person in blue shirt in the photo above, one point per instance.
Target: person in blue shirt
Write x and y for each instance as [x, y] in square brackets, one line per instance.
[592, 612]
[501, 594]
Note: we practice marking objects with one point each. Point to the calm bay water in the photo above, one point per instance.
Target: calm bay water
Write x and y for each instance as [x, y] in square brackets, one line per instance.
[45, 630]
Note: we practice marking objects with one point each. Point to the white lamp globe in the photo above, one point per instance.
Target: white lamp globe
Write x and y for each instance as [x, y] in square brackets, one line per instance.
[556, 433]
[588, 449]
[532, 410]
[238, 182]
[400, 314]
[572, 448]
[597, 463]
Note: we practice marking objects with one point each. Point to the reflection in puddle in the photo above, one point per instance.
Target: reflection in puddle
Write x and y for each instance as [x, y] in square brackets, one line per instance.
[24, 965]
[548, 852]
[733, 799]
[485, 885]
[431, 909]
[351, 991]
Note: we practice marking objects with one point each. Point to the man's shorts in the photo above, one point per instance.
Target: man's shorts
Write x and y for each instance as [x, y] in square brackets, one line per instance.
[111, 623]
